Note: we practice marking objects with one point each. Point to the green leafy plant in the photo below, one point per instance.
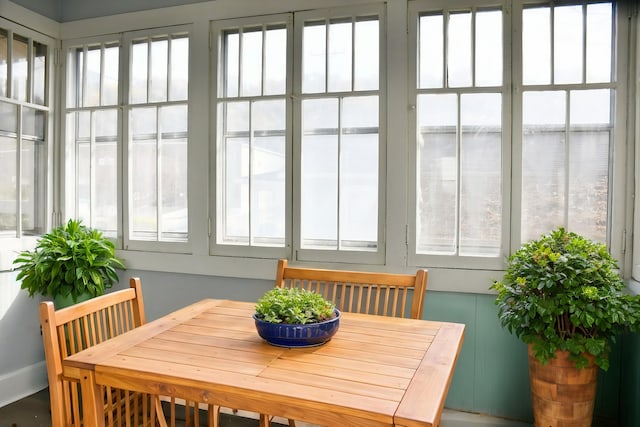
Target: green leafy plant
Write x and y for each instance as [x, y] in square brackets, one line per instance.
[564, 292]
[294, 306]
[70, 260]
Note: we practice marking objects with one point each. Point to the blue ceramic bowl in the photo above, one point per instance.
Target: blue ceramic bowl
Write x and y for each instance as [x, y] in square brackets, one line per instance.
[295, 335]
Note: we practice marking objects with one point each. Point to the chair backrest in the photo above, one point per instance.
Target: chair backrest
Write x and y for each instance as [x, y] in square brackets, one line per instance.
[385, 294]
[72, 329]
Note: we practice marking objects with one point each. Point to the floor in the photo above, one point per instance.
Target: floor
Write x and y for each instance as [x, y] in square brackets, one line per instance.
[33, 411]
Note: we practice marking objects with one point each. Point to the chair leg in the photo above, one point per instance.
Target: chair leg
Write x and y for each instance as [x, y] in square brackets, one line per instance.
[292, 423]
[264, 420]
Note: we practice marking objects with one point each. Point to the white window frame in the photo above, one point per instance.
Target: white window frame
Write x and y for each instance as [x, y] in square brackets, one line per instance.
[10, 243]
[341, 256]
[218, 80]
[416, 8]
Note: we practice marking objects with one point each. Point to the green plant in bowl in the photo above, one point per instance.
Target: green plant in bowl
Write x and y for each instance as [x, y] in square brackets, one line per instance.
[293, 306]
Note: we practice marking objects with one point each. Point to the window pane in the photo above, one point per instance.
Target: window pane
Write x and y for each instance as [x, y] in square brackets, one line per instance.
[543, 163]
[236, 192]
[275, 67]
[173, 174]
[431, 51]
[110, 78]
[19, 68]
[536, 46]
[437, 176]
[33, 123]
[567, 43]
[339, 57]
[143, 174]
[459, 50]
[314, 50]
[480, 177]
[251, 57]
[104, 211]
[489, 48]
[92, 89]
[268, 191]
[179, 87]
[8, 185]
[599, 24]
[319, 170]
[367, 55]
[139, 66]
[231, 63]
[158, 64]
[39, 73]
[4, 59]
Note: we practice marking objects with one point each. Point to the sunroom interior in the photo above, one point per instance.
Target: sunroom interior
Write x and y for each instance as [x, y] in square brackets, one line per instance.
[209, 139]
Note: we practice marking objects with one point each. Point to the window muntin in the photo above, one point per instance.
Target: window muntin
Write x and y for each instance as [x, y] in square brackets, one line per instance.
[340, 141]
[158, 139]
[459, 118]
[252, 144]
[567, 119]
[23, 131]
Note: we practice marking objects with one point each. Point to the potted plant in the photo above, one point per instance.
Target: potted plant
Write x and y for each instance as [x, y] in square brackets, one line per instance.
[72, 263]
[563, 296]
[295, 317]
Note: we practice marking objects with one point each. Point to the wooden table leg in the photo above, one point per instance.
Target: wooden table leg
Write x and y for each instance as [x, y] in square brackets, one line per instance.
[92, 400]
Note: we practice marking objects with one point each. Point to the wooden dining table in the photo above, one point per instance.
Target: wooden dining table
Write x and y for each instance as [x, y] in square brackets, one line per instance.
[376, 371]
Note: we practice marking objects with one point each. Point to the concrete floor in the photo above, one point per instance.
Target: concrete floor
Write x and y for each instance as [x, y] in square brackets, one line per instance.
[33, 411]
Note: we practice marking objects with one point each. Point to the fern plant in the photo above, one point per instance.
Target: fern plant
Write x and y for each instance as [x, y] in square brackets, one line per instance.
[564, 292]
[69, 261]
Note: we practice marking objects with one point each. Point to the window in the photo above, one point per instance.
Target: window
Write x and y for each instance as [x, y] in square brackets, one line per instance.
[24, 133]
[139, 144]
[319, 130]
[460, 129]
[476, 189]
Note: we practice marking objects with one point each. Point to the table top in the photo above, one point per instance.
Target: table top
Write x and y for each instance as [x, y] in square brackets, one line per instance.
[376, 371]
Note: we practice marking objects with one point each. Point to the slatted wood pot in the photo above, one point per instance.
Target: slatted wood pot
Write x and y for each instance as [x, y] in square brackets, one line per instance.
[562, 395]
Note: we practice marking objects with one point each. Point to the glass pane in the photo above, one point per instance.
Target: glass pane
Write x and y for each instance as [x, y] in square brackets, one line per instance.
[83, 181]
[33, 122]
[32, 195]
[275, 67]
[110, 78]
[268, 198]
[143, 174]
[489, 48]
[9, 118]
[359, 191]
[104, 210]
[179, 85]
[543, 163]
[319, 170]
[92, 89]
[158, 65]
[599, 28]
[367, 55]
[4, 59]
[459, 50]
[536, 46]
[75, 80]
[431, 51]
[251, 57]
[339, 57]
[437, 176]
[173, 158]
[231, 63]
[8, 185]
[20, 69]
[314, 49]
[480, 177]
[237, 117]
[360, 114]
[139, 66]
[236, 192]
[567, 41]
[39, 73]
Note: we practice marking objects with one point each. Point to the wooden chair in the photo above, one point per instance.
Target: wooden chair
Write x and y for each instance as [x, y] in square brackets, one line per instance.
[70, 330]
[384, 294]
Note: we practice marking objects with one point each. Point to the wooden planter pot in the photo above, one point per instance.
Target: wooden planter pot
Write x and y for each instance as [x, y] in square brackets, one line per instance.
[562, 395]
